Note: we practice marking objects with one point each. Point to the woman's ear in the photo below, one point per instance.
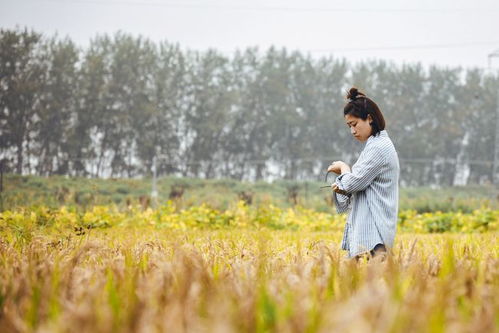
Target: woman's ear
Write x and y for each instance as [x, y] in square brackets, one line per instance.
[369, 119]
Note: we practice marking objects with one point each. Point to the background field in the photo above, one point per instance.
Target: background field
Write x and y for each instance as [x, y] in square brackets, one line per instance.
[84, 192]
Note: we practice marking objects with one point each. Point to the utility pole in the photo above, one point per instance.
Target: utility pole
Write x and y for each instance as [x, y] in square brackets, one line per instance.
[1, 185]
[495, 171]
[154, 190]
[496, 145]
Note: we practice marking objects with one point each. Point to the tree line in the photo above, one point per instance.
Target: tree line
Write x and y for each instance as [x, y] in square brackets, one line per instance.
[123, 104]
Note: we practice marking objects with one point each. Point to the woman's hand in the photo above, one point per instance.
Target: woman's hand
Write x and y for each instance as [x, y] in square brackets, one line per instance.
[338, 167]
[336, 189]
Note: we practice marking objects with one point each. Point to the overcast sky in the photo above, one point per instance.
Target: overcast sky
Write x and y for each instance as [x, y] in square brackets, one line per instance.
[442, 32]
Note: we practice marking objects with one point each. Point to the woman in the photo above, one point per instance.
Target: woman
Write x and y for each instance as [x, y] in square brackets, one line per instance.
[370, 188]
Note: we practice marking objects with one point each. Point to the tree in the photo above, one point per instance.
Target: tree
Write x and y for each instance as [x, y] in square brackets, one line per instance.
[21, 83]
[57, 111]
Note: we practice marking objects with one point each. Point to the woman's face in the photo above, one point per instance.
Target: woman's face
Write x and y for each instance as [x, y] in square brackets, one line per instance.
[360, 129]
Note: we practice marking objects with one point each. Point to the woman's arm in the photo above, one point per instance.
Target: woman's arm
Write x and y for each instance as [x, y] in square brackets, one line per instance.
[342, 202]
[363, 172]
[338, 167]
[341, 198]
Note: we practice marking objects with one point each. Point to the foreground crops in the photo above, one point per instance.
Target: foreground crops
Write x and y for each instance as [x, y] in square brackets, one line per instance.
[239, 215]
[61, 276]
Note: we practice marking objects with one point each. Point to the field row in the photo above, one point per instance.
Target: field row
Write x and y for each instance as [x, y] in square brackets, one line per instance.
[239, 215]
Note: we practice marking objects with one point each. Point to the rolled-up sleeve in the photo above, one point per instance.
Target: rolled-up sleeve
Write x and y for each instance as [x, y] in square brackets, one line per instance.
[342, 202]
[363, 172]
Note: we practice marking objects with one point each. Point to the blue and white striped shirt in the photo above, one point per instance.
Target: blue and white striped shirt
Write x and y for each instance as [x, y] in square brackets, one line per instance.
[373, 194]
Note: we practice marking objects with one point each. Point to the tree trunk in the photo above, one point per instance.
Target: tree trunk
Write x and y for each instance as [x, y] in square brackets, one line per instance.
[19, 167]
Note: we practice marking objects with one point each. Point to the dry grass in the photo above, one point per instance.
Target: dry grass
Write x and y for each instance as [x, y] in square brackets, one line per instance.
[145, 280]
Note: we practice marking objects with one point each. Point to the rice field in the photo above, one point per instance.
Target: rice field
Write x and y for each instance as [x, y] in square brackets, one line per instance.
[242, 270]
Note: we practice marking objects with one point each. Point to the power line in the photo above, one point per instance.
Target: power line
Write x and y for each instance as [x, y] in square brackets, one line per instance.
[381, 48]
[318, 9]
[276, 8]
[407, 47]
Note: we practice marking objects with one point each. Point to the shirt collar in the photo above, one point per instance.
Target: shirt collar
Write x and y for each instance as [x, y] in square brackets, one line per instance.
[382, 133]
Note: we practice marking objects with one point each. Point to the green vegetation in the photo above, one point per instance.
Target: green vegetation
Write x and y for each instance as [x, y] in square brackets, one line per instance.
[22, 191]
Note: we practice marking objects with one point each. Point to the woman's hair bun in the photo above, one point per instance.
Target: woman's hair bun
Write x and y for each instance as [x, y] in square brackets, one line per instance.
[353, 93]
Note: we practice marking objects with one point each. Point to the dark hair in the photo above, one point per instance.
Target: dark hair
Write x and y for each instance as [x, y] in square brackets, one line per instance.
[360, 106]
